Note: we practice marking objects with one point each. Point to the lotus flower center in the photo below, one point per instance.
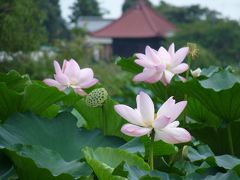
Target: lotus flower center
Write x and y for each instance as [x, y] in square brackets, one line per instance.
[73, 81]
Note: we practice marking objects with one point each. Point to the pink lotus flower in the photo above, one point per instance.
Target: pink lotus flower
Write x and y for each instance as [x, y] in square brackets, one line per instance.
[161, 65]
[72, 76]
[142, 120]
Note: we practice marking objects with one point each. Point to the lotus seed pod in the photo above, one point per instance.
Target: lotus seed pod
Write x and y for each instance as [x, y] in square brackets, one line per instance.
[193, 50]
[97, 97]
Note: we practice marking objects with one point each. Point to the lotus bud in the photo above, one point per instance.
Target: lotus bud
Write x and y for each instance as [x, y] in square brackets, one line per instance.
[185, 152]
[97, 97]
[193, 50]
[196, 72]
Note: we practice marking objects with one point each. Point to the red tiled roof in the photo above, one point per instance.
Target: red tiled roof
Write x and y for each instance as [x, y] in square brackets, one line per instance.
[140, 21]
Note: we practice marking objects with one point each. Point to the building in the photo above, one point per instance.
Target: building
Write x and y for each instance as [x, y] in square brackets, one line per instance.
[102, 47]
[135, 29]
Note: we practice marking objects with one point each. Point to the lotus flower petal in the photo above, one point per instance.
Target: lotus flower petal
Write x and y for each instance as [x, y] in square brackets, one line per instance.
[172, 135]
[72, 69]
[85, 75]
[168, 76]
[88, 84]
[170, 109]
[131, 115]
[145, 75]
[155, 78]
[145, 106]
[173, 124]
[161, 122]
[62, 79]
[54, 83]
[144, 63]
[57, 67]
[152, 55]
[171, 49]
[180, 68]
[80, 91]
[135, 131]
[180, 55]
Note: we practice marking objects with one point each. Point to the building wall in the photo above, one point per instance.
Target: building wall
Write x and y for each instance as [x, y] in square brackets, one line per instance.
[92, 24]
[128, 46]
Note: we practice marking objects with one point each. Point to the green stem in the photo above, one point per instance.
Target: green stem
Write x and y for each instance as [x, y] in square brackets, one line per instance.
[104, 123]
[151, 144]
[230, 139]
[189, 61]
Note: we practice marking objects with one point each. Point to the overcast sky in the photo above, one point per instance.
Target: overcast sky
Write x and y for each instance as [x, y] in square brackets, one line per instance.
[229, 8]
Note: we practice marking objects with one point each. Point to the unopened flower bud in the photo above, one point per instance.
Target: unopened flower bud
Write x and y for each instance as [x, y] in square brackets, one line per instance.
[97, 97]
[196, 72]
[185, 152]
[193, 50]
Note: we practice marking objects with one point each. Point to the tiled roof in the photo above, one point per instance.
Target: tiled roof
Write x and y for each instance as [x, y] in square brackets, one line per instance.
[141, 21]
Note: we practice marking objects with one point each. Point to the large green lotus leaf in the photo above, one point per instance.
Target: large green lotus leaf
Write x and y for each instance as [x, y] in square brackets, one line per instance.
[60, 134]
[135, 173]
[38, 98]
[209, 71]
[15, 81]
[104, 160]
[201, 152]
[134, 146]
[185, 167]
[218, 138]
[160, 148]
[200, 115]
[6, 167]
[220, 94]
[230, 175]
[9, 101]
[36, 162]
[94, 117]
[204, 153]
[128, 64]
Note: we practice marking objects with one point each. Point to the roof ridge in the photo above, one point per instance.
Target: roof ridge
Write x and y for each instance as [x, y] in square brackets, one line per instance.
[113, 22]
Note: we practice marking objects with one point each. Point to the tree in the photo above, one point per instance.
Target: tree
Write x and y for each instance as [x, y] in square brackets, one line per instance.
[129, 3]
[187, 14]
[85, 8]
[221, 38]
[21, 25]
[54, 23]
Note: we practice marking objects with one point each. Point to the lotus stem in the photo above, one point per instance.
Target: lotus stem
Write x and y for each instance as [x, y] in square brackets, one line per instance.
[151, 147]
[229, 130]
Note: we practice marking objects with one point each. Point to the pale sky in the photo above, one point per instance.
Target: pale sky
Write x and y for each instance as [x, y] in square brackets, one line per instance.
[229, 8]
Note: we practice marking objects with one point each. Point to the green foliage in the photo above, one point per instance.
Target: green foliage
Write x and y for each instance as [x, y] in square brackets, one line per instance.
[112, 78]
[130, 3]
[207, 34]
[54, 24]
[21, 26]
[186, 14]
[218, 36]
[30, 141]
[85, 8]
[104, 160]
[94, 117]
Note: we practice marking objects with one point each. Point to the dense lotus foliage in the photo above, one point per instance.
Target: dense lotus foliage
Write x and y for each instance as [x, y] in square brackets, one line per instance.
[69, 127]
